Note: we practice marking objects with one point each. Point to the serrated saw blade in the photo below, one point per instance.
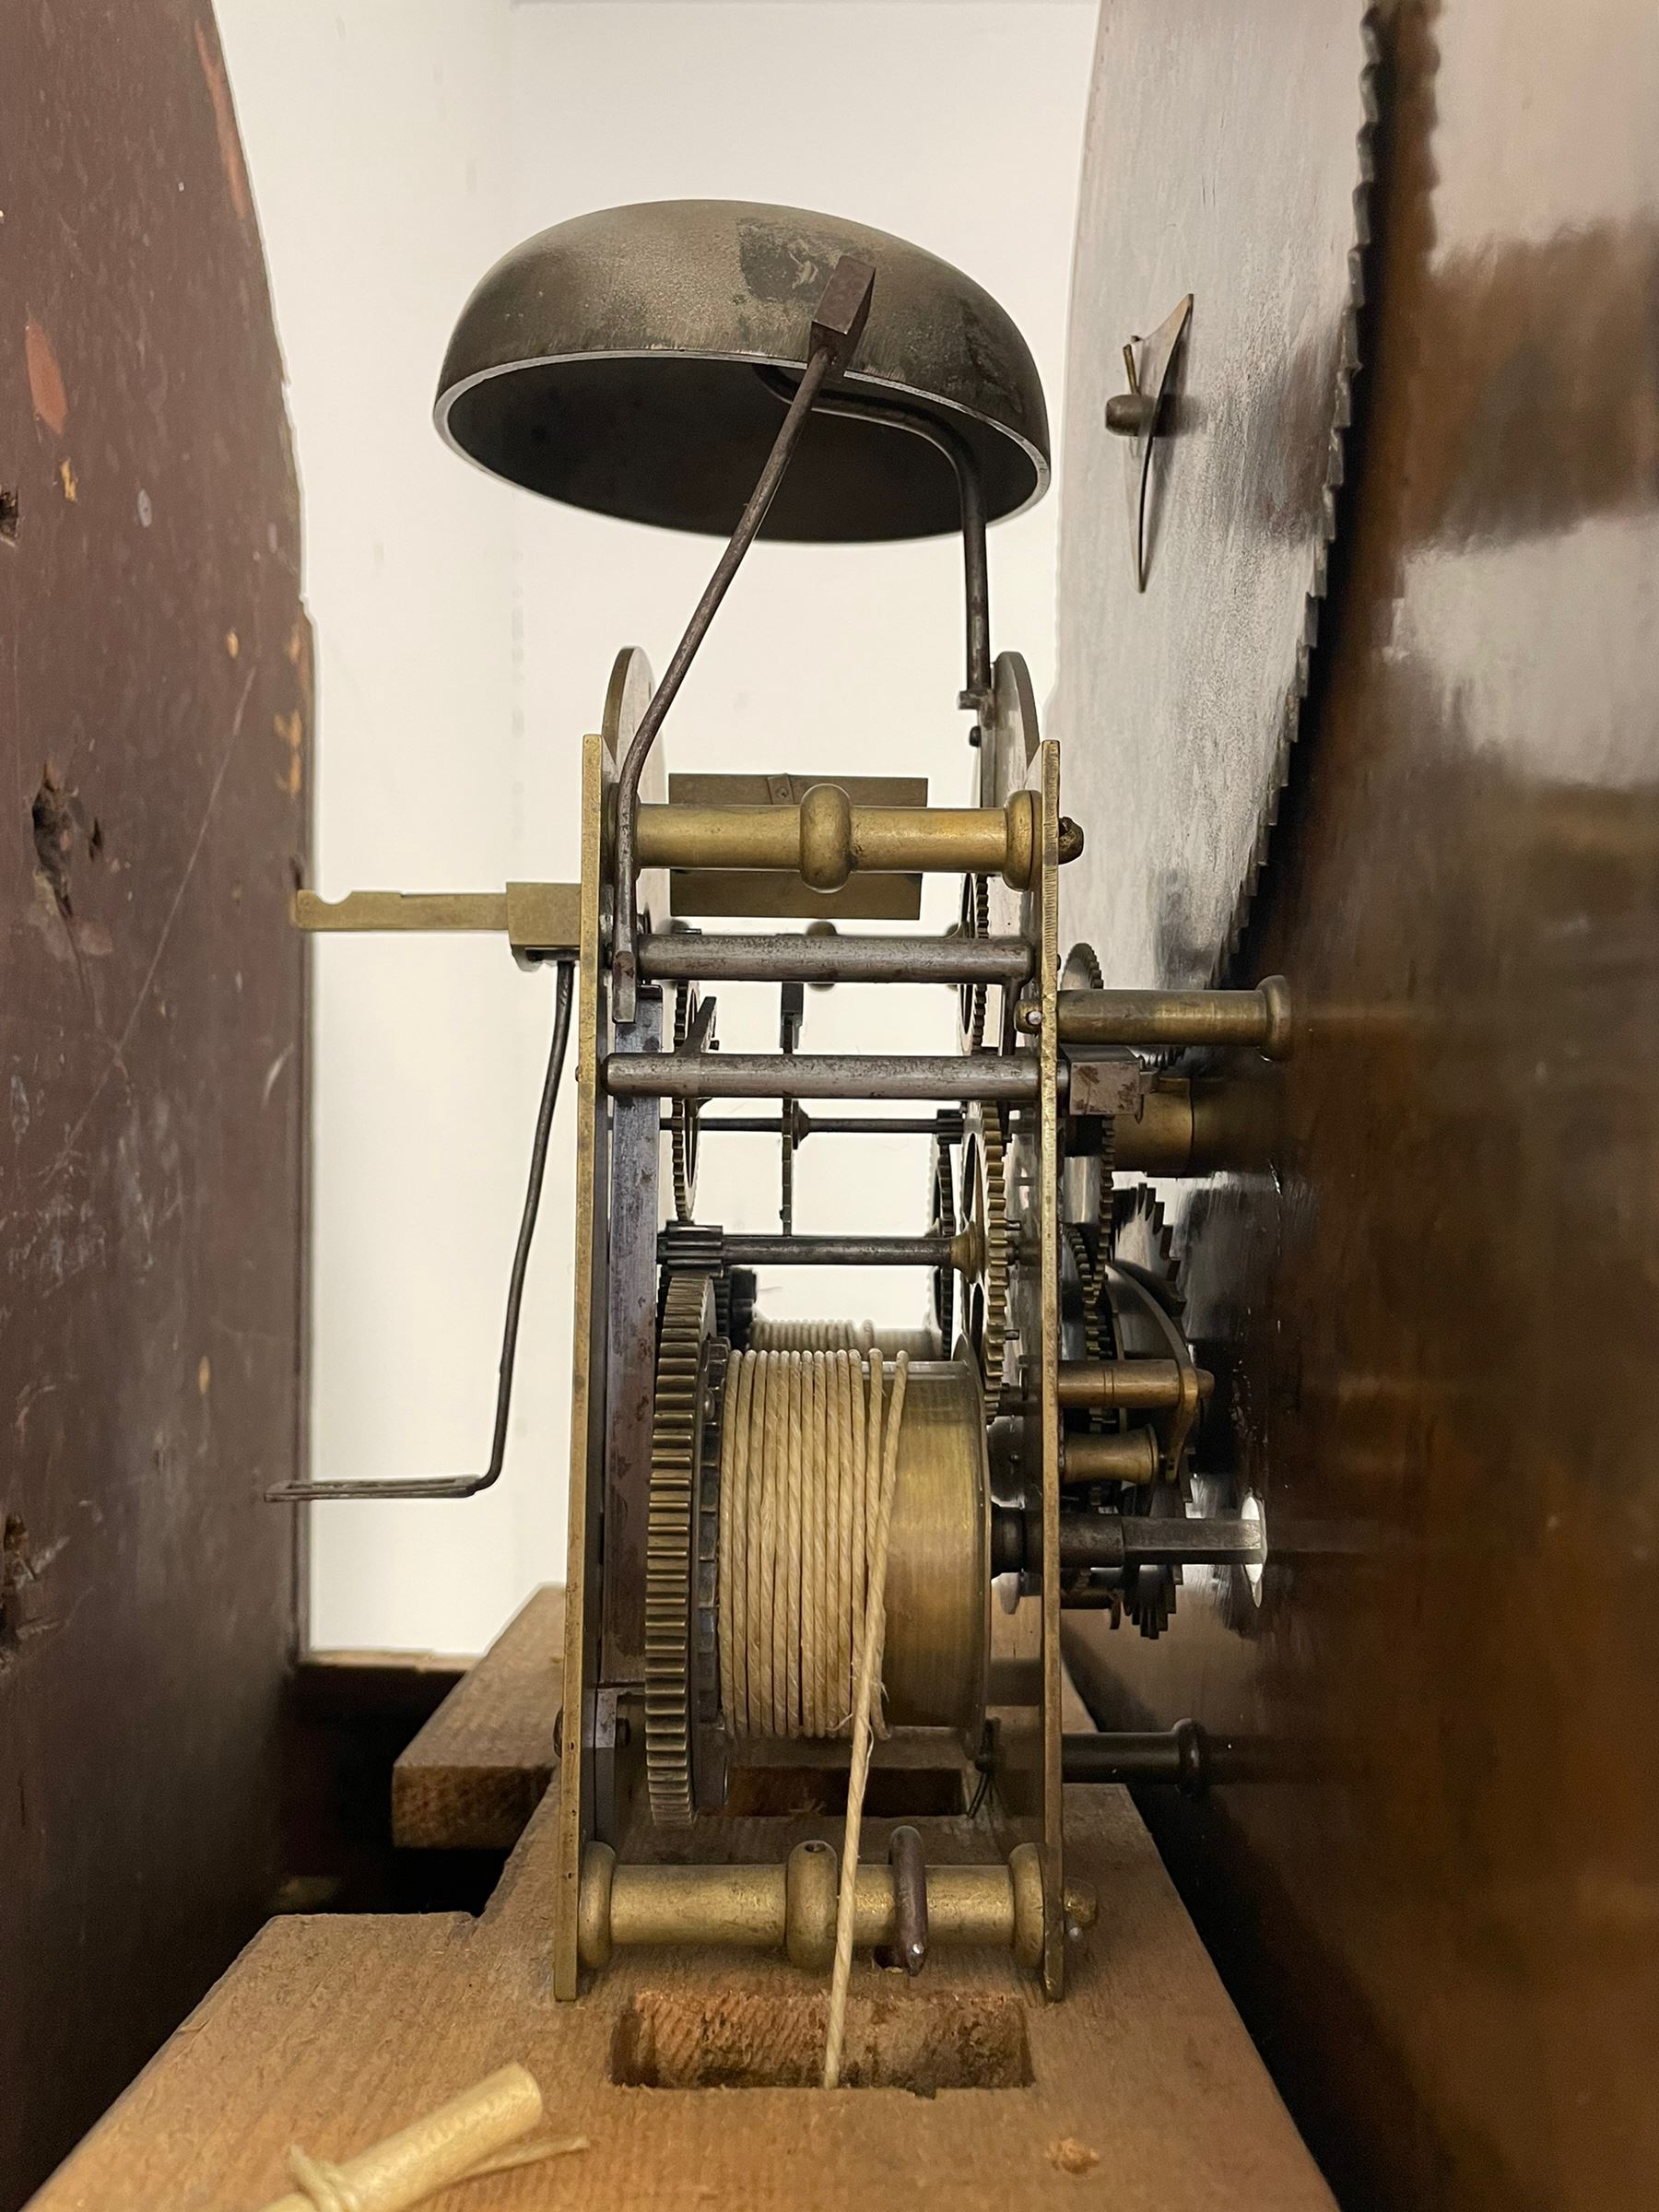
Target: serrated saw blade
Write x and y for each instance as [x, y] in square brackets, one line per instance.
[1228, 158]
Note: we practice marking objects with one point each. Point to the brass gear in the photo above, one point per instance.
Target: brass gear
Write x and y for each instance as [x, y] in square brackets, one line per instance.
[683, 1115]
[1090, 1265]
[1082, 971]
[974, 922]
[1141, 1241]
[984, 1208]
[942, 1221]
[677, 1424]
[1090, 1242]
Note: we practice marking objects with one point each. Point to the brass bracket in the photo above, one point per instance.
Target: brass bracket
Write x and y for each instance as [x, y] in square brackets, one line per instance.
[538, 919]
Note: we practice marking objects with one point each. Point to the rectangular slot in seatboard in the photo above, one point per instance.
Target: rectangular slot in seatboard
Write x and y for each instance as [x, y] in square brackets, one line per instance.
[923, 2041]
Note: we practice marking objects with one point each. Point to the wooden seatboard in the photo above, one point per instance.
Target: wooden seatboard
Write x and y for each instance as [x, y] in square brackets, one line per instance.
[479, 1768]
[333, 2032]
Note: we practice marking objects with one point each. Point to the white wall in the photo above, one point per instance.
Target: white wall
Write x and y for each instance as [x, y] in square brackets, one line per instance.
[465, 631]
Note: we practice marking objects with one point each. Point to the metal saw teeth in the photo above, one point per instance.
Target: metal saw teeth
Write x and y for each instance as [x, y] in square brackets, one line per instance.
[1342, 416]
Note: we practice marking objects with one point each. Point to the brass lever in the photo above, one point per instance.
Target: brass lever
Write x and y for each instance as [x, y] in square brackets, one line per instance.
[539, 918]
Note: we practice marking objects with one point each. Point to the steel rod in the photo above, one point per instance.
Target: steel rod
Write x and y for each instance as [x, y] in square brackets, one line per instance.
[1175, 1755]
[948, 1128]
[786, 958]
[1110, 1541]
[662, 698]
[1220, 1541]
[946, 1076]
[836, 325]
[971, 506]
[837, 1251]
[468, 1486]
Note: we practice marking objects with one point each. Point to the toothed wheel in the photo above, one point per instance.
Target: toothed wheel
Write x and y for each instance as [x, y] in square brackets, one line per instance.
[683, 1116]
[1173, 906]
[1082, 970]
[1089, 1257]
[1149, 1591]
[974, 922]
[943, 1223]
[1087, 1190]
[1140, 1244]
[984, 1207]
[1148, 1597]
[676, 1426]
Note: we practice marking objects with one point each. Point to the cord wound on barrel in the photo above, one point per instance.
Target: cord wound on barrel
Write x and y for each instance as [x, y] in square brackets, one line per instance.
[800, 1481]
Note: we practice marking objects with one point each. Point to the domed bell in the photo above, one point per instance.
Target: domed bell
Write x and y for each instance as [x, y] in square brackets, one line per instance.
[620, 362]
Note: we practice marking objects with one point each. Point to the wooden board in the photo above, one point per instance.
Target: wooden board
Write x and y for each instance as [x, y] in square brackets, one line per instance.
[1225, 157]
[480, 1766]
[350, 1716]
[155, 713]
[1431, 1299]
[1144, 2089]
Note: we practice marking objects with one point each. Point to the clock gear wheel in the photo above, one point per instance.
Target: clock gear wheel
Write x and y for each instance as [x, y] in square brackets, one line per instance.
[1088, 1199]
[974, 922]
[683, 1335]
[1140, 1244]
[942, 1222]
[688, 1011]
[985, 1209]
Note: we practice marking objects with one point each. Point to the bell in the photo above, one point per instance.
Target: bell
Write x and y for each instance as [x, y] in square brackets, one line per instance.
[637, 361]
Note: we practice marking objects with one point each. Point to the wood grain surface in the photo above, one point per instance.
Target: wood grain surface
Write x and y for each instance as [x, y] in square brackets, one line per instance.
[1144, 2090]
[1225, 155]
[1429, 1291]
[479, 1768]
[155, 713]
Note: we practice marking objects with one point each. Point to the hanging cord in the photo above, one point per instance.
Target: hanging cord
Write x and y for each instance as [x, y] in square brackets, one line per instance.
[468, 1486]
[865, 1703]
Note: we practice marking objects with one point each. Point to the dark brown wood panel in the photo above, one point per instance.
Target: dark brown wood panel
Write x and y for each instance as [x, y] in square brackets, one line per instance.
[1434, 1305]
[154, 749]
